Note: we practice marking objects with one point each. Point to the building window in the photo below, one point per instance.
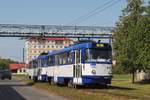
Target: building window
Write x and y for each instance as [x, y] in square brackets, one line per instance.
[49, 41]
[34, 51]
[43, 46]
[35, 46]
[58, 42]
[24, 70]
[48, 46]
[39, 46]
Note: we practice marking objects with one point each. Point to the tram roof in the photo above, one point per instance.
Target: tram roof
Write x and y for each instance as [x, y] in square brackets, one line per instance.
[42, 57]
[73, 47]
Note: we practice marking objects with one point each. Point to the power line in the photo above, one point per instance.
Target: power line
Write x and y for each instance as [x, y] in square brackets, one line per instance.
[97, 8]
[91, 13]
[96, 12]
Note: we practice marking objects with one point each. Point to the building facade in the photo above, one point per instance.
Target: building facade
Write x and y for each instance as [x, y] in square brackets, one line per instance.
[18, 68]
[35, 46]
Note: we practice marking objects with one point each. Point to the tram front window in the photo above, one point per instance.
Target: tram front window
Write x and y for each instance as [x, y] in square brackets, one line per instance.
[97, 55]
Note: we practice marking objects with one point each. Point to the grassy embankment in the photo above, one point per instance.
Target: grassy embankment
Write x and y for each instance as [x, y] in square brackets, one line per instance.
[121, 89]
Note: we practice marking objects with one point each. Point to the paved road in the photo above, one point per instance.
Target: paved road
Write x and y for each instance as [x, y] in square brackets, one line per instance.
[16, 90]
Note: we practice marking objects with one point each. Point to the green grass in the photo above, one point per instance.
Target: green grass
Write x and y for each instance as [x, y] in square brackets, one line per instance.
[137, 91]
[121, 89]
[77, 94]
[122, 77]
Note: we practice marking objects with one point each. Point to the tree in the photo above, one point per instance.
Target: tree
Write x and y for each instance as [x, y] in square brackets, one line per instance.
[146, 38]
[4, 63]
[131, 38]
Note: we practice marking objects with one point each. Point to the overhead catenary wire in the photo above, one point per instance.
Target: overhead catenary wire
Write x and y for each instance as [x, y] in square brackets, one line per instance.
[94, 12]
[97, 8]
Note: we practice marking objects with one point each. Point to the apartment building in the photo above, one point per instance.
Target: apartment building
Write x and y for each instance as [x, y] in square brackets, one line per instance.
[36, 46]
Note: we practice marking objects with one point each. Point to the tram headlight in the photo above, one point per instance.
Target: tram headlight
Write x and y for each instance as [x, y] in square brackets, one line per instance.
[93, 71]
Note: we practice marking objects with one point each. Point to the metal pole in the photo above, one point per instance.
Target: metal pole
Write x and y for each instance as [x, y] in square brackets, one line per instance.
[23, 55]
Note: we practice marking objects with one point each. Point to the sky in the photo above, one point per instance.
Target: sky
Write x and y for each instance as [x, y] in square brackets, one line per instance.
[51, 12]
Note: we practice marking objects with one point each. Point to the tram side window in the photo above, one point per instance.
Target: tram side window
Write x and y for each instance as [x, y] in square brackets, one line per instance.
[50, 60]
[39, 63]
[35, 64]
[30, 65]
[60, 59]
[64, 57]
[78, 56]
[56, 60]
[43, 63]
[86, 55]
[70, 57]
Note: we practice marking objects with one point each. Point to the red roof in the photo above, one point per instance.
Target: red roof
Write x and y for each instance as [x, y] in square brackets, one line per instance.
[16, 66]
[52, 39]
[58, 39]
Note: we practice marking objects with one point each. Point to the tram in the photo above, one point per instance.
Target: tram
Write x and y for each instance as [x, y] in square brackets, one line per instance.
[80, 64]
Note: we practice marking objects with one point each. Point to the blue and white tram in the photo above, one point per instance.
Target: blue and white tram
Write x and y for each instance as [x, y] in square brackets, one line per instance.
[37, 68]
[80, 64]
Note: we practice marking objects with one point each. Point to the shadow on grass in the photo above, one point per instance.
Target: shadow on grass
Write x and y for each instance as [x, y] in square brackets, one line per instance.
[120, 88]
[101, 87]
[30, 83]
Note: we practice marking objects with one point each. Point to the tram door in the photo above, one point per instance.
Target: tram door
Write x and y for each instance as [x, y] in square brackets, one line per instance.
[77, 70]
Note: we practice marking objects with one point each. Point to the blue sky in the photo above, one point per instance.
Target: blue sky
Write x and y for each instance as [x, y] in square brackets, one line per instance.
[50, 12]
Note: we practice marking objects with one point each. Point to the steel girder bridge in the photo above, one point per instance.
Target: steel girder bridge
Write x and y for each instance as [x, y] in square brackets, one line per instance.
[27, 31]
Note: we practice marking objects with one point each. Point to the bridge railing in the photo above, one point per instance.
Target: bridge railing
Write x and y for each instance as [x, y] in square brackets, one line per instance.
[19, 30]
